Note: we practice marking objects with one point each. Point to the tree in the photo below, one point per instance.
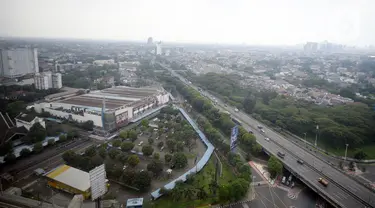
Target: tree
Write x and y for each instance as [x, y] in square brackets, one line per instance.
[360, 154]
[142, 180]
[36, 133]
[102, 152]
[51, 142]
[95, 161]
[91, 151]
[156, 156]
[122, 157]
[88, 125]
[147, 150]
[275, 167]
[116, 143]
[156, 166]
[38, 147]
[62, 138]
[25, 152]
[71, 135]
[249, 103]
[123, 134]
[128, 176]
[132, 134]
[201, 193]
[167, 158]
[113, 153]
[180, 146]
[15, 108]
[10, 158]
[6, 148]
[160, 145]
[179, 160]
[133, 160]
[171, 144]
[150, 141]
[127, 146]
[144, 122]
[224, 194]
[70, 158]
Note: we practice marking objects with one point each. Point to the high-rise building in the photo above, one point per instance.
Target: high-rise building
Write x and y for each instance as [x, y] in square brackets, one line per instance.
[150, 41]
[18, 62]
[311, 47]
[56, 80]
[47, 80]
[158, 50]
[41, 81]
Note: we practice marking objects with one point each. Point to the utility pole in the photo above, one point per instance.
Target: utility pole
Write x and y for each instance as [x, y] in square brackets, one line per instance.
[346, 151]
[316, 136]
[305, 139]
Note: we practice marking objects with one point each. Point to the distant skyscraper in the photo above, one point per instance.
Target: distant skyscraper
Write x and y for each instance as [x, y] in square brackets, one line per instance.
[18, 62]
[150, 41]
[310, 47]
[158, 50]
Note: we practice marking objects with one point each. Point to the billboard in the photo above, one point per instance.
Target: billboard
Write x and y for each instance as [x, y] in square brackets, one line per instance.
[98, 184]
[233, 138]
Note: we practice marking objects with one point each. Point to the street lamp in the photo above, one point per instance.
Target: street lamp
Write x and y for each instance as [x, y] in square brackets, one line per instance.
[305, 139]
[346, 151]
[316, 136]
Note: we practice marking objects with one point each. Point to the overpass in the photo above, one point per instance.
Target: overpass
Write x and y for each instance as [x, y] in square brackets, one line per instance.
[342, 191]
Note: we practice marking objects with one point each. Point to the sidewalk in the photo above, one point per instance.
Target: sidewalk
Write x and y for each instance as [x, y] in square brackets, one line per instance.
[262, 172]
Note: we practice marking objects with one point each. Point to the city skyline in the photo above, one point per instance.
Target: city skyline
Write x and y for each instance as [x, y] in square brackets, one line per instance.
[265, 23]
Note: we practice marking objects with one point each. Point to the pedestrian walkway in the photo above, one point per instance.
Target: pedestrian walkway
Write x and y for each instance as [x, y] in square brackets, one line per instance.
[262, 172]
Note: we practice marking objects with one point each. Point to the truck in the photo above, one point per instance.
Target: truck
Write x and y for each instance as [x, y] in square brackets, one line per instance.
[323, 181]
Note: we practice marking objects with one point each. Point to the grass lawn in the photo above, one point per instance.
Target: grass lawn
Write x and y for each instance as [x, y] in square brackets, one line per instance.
[203, 178]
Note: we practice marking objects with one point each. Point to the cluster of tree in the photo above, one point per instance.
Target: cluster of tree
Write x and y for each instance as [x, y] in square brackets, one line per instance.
[242, 168]
[36, 133]
[130, 134]
[16, 97]
[298, 117]
[86, 162]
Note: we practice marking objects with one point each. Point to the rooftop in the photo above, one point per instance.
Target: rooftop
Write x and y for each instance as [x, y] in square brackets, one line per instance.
[114, 97]
[25, 117]
[70, 176]
[134, 202]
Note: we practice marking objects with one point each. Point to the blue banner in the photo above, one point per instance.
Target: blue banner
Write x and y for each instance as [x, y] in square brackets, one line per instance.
[233, 138]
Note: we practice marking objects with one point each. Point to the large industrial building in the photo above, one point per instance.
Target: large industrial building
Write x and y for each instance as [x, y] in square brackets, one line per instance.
[18, 62]
[109, 109]
[71, 180]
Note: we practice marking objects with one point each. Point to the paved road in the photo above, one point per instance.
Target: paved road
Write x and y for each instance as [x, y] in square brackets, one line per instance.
[342, 189]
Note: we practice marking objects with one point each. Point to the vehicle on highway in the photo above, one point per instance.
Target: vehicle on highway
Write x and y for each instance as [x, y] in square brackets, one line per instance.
[262, 130]
[281, 154]
[300, 161]
[251, 132]
[267, 139]
[260, 127]
[225, 105]
[323, 181]
[140, 143]
[236, 110]
[236, 121]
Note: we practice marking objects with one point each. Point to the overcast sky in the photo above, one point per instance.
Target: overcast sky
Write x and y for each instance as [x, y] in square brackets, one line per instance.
[214, 21]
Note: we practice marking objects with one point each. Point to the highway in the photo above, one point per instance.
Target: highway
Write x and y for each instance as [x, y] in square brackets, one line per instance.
[342, 190]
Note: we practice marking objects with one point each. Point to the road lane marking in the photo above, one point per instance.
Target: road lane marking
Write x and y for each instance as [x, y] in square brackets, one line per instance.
[336, 196]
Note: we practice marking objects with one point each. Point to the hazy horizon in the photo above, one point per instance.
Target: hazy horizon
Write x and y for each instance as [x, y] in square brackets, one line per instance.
[268, 22]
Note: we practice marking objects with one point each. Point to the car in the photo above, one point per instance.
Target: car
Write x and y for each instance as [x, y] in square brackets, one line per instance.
[267, 139]
[140, 143]
[300, 161]
[262, 130]
[236, 109]
[225, 105]
[281, 154]
[283, 180]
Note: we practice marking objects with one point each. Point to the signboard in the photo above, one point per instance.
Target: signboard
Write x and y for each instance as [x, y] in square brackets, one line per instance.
[97, 180]
[233, 138]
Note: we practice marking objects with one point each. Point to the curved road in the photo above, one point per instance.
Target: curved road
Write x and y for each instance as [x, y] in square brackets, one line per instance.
[343, 190]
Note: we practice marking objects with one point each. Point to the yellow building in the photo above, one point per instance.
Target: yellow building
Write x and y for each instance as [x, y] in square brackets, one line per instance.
[70, 179]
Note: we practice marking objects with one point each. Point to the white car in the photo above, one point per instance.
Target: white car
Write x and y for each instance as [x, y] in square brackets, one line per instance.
[140, 143]
[236, 109]
[262, 130]
[267, 139]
